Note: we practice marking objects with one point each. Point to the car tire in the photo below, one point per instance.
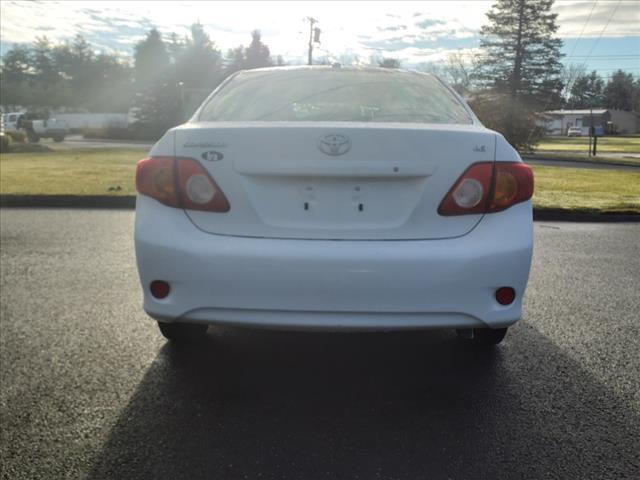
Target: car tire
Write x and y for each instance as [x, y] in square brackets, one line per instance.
[33, 138]
[484, 337]
[181, 333]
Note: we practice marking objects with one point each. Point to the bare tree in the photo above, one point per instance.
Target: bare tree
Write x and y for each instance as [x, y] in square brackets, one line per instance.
[568, 75]
[458, 70]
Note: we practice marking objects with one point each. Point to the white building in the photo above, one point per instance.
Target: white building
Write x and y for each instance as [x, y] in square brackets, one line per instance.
[557, 122]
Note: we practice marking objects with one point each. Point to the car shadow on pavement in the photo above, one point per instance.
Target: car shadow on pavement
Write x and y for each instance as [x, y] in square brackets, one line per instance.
[258, 404]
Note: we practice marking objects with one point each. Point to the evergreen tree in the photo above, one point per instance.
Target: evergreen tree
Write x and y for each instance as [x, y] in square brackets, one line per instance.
[620, 92]
[235, 60]
[257, 54]
[151, 60]
[15, 64]
[587, 91]
[521, 53]
[43, 64]
[199, 65]
[389, 63]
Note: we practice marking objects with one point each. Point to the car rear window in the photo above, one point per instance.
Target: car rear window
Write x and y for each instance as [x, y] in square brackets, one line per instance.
[334, 95]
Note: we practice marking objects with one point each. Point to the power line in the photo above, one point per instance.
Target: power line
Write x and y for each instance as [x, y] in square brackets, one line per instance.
[583, 29]
[595, 44]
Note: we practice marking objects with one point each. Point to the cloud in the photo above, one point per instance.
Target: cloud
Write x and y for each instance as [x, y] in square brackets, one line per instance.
[354, 27]
[392, 28]
[429, 22]
[612, 19]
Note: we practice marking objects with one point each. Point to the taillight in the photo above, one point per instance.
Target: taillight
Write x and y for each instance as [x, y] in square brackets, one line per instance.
[488, 187]
[180, 183]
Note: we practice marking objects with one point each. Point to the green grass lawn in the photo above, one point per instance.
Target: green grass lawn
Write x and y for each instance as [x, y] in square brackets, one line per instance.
[587, 190]
[72, 172]
[93, 172]
[612, 144]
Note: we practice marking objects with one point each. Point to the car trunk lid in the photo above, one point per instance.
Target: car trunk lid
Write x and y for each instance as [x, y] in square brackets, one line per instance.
[334, 180]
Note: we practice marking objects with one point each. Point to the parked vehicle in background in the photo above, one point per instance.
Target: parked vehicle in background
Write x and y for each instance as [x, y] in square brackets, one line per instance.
[10, 121]
[35, 126]
[4, 139]
[574, 132]
[334, 198]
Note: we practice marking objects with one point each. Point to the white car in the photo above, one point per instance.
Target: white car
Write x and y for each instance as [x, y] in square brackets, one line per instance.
[334, 198]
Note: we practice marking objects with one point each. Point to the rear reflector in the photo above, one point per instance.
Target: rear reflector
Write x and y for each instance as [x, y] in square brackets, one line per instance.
[488, 187]
[180, 183]
[159, 289]
[505, 295]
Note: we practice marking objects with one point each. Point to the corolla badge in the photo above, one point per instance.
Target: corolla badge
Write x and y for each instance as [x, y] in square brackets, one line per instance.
[334, 144]
[212, 156]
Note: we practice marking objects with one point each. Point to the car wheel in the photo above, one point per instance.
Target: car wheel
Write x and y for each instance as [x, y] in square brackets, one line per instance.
[484, 337]
[182, 332]
[33, 138]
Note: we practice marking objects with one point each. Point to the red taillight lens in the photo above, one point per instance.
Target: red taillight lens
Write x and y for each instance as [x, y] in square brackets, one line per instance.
[469, 193]
[159, 289]
[155, 177]
[180, 183]
[505, 295]
[488, 187]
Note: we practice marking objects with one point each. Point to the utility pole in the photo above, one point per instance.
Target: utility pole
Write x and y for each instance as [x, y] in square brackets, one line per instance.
[591, 129]
[312, 21]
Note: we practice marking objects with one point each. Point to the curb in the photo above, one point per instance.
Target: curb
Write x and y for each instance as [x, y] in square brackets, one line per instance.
[579, 160]
[128, 202]
[558, 215]
[68, 201]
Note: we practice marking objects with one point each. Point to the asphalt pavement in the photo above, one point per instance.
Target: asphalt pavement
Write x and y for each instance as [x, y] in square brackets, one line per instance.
[89, 389]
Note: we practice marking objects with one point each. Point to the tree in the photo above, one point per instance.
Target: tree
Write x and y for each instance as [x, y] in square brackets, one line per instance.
[458, 71]
[43, 65]
[235, 60]
[586, 91]
[151, 59]
[68, 74]
[569, 74]
[15, 64]
[175, 48]
[155, 109]
[521, 54]
[620, 91]
[520, 67]
[499, 110]
[199, 64]
[389, 63]
[257, 54]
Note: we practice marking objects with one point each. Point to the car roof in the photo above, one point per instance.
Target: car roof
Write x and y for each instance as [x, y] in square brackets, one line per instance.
[335, 67]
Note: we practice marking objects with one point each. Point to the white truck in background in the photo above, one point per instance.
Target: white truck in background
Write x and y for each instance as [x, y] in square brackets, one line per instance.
[35, 126]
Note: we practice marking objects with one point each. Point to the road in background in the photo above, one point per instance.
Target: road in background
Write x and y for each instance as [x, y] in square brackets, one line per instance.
[552, 162]
[75, 142]
[91, 390]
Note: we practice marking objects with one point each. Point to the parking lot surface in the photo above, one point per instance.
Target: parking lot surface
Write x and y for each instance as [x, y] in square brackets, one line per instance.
[89, 389]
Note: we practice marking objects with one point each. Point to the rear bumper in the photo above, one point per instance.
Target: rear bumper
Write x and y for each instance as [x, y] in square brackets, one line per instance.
[335, 285]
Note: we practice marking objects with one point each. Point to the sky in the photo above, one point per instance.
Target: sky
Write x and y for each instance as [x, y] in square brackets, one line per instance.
[602, 34]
